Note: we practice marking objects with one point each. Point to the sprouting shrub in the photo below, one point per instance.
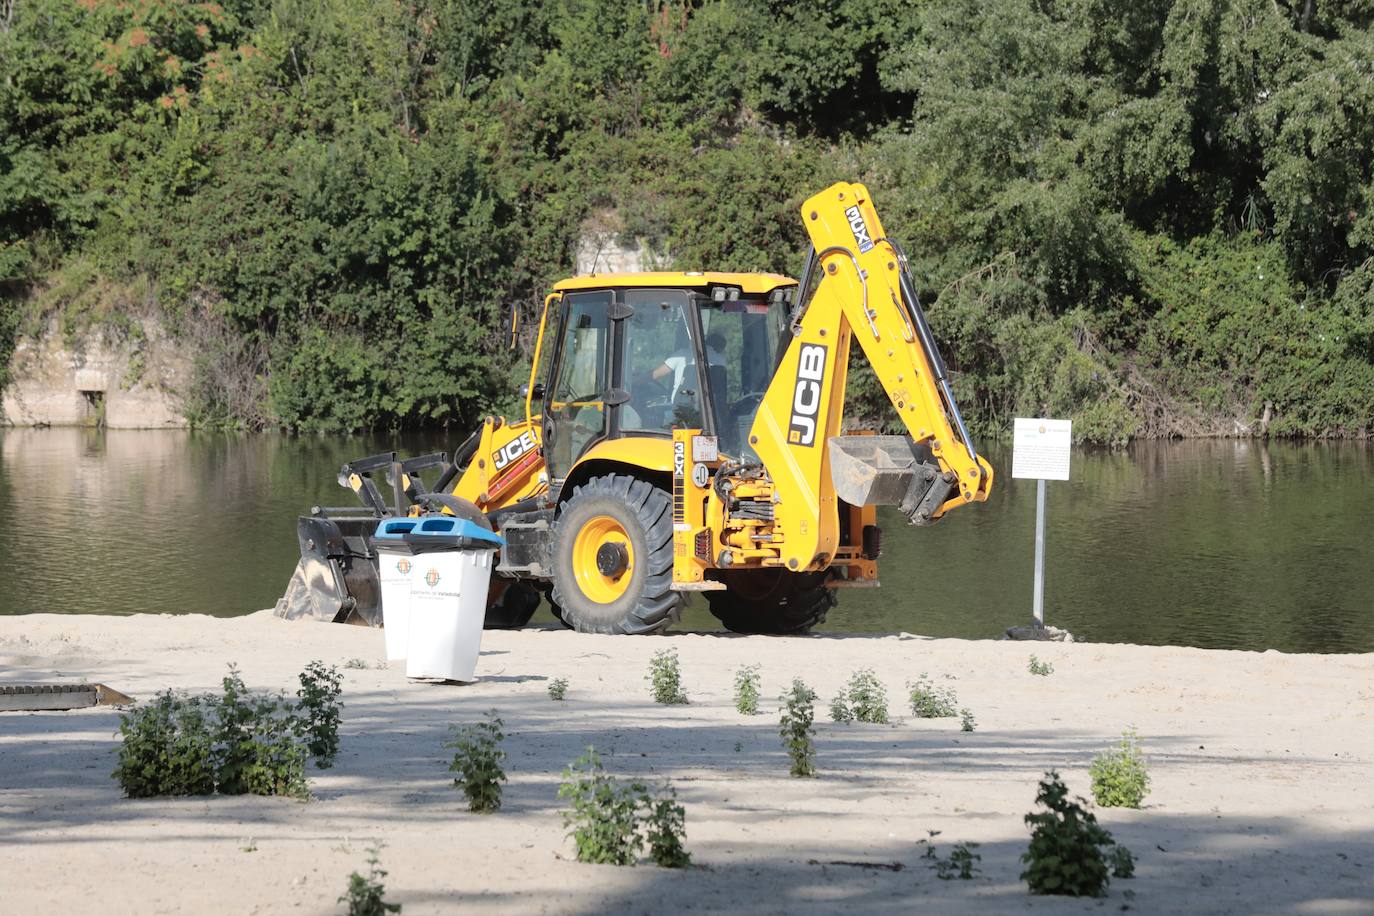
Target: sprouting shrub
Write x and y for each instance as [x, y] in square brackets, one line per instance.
[795, 726]
[665, 678]
[366, 895]
[237, 743]
[168, 748]
[747, 685]
[665, 829]
[319, 711]
[966, 721]
[867, 697]
[258, 743]
[356, 663]
[1036, 666]
[839, 709]
[603, 814]
[931, 702]
[1121, 862]
[1066, 854]
[558, 688]
[1119, 776]
[477, 757]
[611, 820]
[962, 862]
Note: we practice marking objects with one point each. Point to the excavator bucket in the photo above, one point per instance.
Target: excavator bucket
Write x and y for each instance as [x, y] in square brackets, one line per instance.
[336, 579]
[888, 471]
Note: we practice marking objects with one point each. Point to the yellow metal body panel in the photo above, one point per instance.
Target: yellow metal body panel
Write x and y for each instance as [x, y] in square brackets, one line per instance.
[694, 535]
[648, 452]
[857, 297]
[753, 284]
[507, 466]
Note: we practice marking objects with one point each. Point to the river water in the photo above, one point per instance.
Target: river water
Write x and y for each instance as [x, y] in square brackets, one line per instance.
[1219, 544]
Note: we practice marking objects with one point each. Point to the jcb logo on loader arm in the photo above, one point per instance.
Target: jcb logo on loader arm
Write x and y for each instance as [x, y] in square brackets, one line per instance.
[513, 449]
[806, 395]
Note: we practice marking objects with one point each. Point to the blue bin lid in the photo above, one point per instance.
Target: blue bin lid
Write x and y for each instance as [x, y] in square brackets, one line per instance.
[449, 530]
[395, 528]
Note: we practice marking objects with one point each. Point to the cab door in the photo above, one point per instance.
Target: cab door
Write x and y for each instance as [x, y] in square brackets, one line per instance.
[575, 415]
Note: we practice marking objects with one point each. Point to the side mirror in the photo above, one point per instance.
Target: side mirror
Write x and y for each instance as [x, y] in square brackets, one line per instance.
[512, 325]
[537, 394]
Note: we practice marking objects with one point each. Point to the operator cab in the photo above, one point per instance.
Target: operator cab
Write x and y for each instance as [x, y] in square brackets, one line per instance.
[644, 354]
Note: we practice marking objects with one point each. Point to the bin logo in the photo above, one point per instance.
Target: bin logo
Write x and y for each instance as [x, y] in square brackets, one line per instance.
[432, 577]
[403, 566]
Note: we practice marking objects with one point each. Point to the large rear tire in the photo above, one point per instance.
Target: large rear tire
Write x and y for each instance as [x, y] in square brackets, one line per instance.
[771, 601]
[613, 558]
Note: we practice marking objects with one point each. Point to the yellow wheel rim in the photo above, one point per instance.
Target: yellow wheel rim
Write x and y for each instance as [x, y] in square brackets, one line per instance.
[603, 532]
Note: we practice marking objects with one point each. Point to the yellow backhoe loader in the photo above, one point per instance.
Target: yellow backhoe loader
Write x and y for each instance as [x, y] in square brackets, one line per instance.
[682, 433]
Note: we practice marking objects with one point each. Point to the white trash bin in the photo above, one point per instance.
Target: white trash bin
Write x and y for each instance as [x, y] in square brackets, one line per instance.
[450, 575]
[395, 561]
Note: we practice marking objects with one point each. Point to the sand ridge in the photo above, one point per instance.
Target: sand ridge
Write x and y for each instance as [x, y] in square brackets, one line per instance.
[1262, 766]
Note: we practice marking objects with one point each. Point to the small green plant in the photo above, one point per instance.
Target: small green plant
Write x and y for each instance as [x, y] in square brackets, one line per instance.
[477, 757]
[356, 663]
[665, 829]
[665, 678]
[1066, 853]
[257, 740]
[962, 862]
[319, 711]
[603, 814]
[1121, 861]
[795, 727]
[966, 721]
[168, 747]
[747, 684]
[234, 744]
[366, 895]
[839, 709]
[1119, 776]
[867, 697]
[558, 689]
[1043, 669]
[249, 844]
[931, 702]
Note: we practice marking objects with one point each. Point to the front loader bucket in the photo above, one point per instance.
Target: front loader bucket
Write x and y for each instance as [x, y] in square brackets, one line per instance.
[888, 471]
[336, 579]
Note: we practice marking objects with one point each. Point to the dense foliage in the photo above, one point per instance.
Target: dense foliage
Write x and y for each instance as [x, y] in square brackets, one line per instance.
[1157, 216]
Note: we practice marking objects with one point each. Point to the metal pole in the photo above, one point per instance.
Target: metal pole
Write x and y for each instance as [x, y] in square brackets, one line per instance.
[1039, 606]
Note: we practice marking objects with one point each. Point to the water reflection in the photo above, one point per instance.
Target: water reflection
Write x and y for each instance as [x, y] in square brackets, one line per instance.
[1230, 544]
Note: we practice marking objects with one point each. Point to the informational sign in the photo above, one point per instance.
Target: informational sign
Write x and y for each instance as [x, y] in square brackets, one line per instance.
[1040, 448]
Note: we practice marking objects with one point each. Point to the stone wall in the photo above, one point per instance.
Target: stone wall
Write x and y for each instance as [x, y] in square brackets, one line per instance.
[101, 375]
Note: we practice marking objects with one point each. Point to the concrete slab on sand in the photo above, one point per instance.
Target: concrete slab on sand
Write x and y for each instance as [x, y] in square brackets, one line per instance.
[1261, 802]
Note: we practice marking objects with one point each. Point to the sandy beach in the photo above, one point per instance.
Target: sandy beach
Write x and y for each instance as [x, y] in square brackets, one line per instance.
[1262, 798]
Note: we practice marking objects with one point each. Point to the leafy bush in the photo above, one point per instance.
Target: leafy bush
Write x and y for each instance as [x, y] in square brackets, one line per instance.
[1037, 667]
[665, 678]
[1066, 854]
[167, 748]
[665, 830]
[966, 721]
[366, 894]
[839, 709]
[258, 741]
[319, 711]
[477, 757]
[795, 726]
[1119, 776]
[867, 697]
[1121, 861]
[236, 743]
[558, 688]
[931, 702]
[603, 814]
[612, 820]
[747, 684]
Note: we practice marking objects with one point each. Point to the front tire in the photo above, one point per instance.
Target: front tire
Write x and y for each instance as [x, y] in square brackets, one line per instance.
[771, 601]
[613, 558]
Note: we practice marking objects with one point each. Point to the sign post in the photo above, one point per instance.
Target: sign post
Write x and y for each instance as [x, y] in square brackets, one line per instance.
[1040, 452]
